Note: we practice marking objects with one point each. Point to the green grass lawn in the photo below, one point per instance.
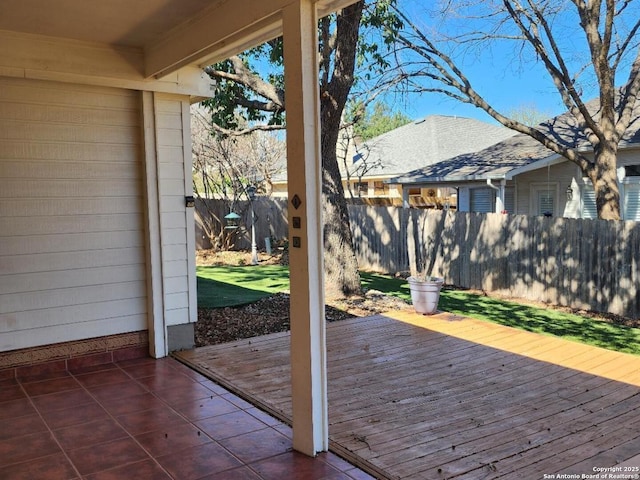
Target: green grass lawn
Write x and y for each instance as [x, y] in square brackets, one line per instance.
[228, 286]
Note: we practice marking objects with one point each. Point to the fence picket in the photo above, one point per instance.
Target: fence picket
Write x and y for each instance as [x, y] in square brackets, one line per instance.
[578, 263]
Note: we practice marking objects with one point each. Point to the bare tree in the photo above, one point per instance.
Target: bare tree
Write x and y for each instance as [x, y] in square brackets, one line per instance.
[581, 44]
[224, 166]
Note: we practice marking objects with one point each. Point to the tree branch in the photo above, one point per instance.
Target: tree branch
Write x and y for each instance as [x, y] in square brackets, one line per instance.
[246, 131]
[243, 76]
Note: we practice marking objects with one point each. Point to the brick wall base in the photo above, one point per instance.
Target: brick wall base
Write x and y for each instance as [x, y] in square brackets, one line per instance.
[73, 355]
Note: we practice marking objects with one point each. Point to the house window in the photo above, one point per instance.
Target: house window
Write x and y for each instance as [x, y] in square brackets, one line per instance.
[361, 188]
[482, 200]
[380, 188]
[544, 199]
[545, 202]
[632, 171]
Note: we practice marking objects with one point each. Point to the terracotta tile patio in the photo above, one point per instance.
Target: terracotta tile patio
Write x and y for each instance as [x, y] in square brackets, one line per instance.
[145, 419]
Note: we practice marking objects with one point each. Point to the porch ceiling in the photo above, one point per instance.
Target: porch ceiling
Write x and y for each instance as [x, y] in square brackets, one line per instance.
[171, 33]
[116, 22]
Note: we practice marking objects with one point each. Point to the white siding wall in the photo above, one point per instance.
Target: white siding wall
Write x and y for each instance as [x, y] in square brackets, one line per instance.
[629, 157]
[72, 256]
[557, 178]
[176, 221]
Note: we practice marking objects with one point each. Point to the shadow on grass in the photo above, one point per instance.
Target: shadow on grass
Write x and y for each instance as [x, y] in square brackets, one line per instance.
[541, 320]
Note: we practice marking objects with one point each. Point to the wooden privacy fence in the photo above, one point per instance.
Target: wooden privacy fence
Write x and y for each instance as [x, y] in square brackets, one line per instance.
[270, 217]
[579, 263]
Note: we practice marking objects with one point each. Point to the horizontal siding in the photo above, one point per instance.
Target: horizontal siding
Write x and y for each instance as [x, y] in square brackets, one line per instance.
[100, 276]
[20, 150]
[73, 170]
[72, 253]
[63, 297]
[174, 220]
[175, 285]
[69, 96]
[70, 315]
[78, 331]
[47, 207]
[65, 188]
[56, 224]
[52, 262]
[74, 242]
[558, 178]
[78, 115]
[61, 133]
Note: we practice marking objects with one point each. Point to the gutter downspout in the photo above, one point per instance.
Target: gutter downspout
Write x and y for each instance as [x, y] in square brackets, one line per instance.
[499, 194]
[405, 197]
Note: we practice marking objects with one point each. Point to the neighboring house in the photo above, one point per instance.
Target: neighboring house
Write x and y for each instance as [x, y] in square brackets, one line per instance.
[370, 165]
[519, 175]
[97, 250]
[417, 145]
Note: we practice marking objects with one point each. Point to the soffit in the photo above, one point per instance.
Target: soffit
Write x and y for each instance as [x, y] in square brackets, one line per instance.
[133, 23]
[114, 22]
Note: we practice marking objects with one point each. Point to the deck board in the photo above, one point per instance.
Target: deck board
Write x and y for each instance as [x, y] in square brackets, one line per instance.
[417, 397]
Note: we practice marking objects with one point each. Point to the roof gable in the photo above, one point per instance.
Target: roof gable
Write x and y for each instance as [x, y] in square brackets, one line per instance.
[514, 154]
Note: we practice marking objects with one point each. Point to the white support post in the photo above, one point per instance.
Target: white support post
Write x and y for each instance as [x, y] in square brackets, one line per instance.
[405, 197]
[155, 292]
[308, 335]
[500, 204]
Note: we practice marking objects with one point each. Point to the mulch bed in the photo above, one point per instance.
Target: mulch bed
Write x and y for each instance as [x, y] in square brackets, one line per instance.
[271, 314]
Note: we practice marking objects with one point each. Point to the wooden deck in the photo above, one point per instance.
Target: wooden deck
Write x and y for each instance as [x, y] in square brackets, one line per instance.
[417, 397]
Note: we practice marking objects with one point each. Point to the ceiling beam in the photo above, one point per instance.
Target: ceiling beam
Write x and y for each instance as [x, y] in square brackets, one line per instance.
[223, 25]
[225, 28]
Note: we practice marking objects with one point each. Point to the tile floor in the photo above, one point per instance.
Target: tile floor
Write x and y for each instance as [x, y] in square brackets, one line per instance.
[145, 419]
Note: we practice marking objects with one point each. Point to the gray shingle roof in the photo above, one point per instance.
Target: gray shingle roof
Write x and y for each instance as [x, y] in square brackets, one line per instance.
[497, 160]
[424, 142]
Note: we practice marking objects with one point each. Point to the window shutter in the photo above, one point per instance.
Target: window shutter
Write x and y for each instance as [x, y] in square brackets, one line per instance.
[589, 209]
[482, 200]
[632, 202]
[510, 199]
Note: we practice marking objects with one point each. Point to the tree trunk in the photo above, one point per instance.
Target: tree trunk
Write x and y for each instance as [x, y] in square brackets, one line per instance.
[341, 267]
[605, 183]
[340, 263]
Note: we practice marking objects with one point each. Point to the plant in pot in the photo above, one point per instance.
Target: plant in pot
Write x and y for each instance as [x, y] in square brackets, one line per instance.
[425, 292]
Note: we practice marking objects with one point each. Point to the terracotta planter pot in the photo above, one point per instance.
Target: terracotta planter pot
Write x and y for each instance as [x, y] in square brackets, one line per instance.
[425, 294]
